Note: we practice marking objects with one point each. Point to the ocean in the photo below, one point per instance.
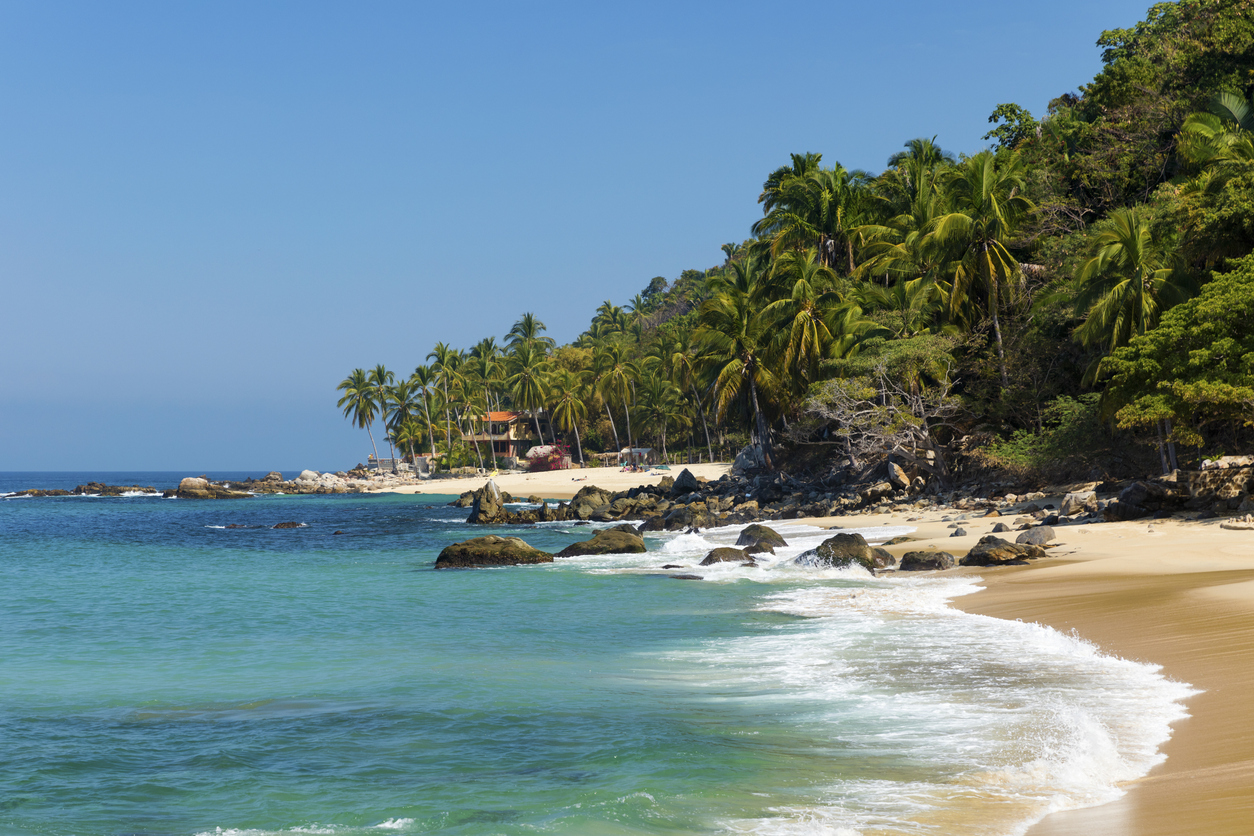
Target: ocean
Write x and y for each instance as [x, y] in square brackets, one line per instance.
[161, 673]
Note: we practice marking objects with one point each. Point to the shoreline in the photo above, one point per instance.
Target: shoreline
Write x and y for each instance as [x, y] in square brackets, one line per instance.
[1176, 594]
[1173, 593]
[555, 484]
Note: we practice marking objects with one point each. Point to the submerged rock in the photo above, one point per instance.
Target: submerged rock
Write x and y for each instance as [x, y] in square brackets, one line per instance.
[757, 539]
[490, 551]
[621, 539]
[838, 552]
[289, 525]
[726, 554]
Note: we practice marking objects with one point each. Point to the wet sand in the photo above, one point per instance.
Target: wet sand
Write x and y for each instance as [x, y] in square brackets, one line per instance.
[1173, 593]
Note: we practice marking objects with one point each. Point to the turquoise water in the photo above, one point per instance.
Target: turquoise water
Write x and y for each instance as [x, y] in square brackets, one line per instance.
[162, 674]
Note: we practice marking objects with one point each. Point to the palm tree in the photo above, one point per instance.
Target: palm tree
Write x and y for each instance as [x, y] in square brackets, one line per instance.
[819, 210]
[359, 403]
[1130, 278]
[734, 337]
[569, 408]
[986, 210]
[407, 433]
[445, 361]
[803, 318]
[616, 375]
[683, 365]
[527, 331]
[914, 303]
[527, 369]
[381, 379]
[423, 379]
[660, 406]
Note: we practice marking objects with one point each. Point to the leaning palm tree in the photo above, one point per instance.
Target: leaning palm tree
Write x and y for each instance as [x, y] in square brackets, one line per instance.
[568, 407]
[986, 211]
[528, 369]
[445, 360]
[424, 380]
[381, 379]
[359, 404]
[734, 339]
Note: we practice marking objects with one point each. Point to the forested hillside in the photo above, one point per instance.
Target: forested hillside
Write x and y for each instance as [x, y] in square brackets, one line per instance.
[1074, 301]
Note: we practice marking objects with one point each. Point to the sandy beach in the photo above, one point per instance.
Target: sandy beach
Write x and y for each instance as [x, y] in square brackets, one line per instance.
[558, 484]
[1169, 592]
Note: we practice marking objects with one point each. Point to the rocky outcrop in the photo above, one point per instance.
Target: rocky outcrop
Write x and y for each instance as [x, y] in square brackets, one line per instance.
[480, 552]
[685, 483]
[726, 555]
[926, 561]
[838, 552]
[287, 525]
[198, 487]
[617, 540]
[488, 507]
[1038, 536]
[994, 551]
[757, 538]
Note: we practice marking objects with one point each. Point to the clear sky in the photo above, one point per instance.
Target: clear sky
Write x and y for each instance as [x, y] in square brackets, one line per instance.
[211, 212]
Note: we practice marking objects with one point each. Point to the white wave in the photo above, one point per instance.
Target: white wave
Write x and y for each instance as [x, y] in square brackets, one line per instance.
[395, 824]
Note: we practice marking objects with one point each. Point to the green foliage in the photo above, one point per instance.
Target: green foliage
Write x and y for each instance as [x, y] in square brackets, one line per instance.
[1196, 367]
[1016, 125]
[1070, 436]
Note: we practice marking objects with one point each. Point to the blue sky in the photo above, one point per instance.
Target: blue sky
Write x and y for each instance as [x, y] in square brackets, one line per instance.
[211, 212]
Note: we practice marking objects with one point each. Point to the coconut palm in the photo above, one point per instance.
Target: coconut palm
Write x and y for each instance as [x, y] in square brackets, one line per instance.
[660, 406]
[734, 339]
[381, 379]
[359, 403]
[445, 361]
[803, 315]
[818, 210]
[568, 407]
[986, 211]
[684, 373]
[616, 374]
[1130, 278]
[527, 331]
[528, 368]
[424, 381]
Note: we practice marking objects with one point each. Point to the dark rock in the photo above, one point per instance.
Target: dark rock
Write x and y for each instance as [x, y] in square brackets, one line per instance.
[1000, 527]
[656, 523]
[926, 561]
[488, 507]
[686, 577]
[758, 539]
[490, 551]
[337, 531]
[901, 539]
[289, 525]
[994, 551]
[1038, 536]
[237, 525]
[672, 566]
[684, 483]
[882, 558]
[617, 540]
[959, 532]
[725, 555]
[840, 551]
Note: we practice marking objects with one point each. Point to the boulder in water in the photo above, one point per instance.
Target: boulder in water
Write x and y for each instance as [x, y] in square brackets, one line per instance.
[757, 538]
[480, 552]
[725, 554]
[838, 552]
[618, 540]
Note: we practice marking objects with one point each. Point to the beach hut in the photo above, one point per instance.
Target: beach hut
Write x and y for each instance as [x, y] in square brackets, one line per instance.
[639, 456]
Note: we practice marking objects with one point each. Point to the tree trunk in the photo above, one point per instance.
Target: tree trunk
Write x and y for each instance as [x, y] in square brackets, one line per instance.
[704, 426]
[475, 441]
[618, 445]
[1162, 453]
[535, 419]
[1171, 448]
[426, 407]
[375, 447]
[760, 423]
[578, 443]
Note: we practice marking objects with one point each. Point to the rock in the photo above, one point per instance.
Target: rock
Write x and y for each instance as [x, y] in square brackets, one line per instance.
[748, 460]
[838, 552]
[1244, 523]
[671, 566]
[1000, 527]
[1038, 536]
[994, 551]
[926, 561]
[685, 517]
[686, 577]
[288, 525]
[656, 523]
[535, 500]
[900, 539]
[617, 540]
[490, 551]
[308, 476]
[198, 487]
[897, 477]
[666, 484]
[488, 506]
[273, 476]
[337, 531]
[877, 492]
[758, 539]
[882, 558]
[959, 532]
[685, 483]
[725, 555]
[1074, 503]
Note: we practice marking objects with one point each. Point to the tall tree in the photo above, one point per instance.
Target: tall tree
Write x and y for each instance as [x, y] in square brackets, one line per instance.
[359, 404]
[568, 406]
[987, 208]
[381, 379]
[528, 370]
